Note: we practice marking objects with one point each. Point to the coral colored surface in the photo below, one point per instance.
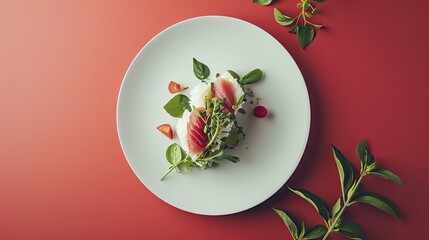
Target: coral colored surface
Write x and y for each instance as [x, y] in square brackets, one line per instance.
[63, 174]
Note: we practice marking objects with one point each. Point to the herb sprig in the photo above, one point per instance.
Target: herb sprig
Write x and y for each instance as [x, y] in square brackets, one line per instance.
[303, 27]
[351, 194]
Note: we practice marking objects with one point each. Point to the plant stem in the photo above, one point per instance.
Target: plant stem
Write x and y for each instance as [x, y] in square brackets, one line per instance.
[305, 2]
[173, 167]
[346, 204]
[215, 133]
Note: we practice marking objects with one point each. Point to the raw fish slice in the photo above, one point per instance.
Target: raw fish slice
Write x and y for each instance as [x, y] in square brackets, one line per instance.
[224, 89]
[197, 139]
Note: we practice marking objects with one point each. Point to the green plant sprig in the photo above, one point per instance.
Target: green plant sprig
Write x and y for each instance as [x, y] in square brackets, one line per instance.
[351, 194]
[303, 28]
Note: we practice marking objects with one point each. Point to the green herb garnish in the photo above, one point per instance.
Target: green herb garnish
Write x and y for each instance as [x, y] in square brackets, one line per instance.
[201, 70]
[351, 194]
[177, 105]
[252, 77]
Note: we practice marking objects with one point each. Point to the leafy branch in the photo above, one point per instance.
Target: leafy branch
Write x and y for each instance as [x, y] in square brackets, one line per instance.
[303, 27]
[351, 194]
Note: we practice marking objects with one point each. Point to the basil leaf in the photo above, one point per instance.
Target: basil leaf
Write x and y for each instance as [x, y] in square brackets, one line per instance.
[314, 200]
[315, 232]
[282, 19]
[263, 2]
[288, 222]
[234, 75]
[352, 231]
[345, 171]
[379, 202]
[294, 30]
[305, 35]
[336, 208]
[361, 150]
[177, 105]
[201, 70]
[174, 154]
[242, 111]
[252, 77]
[320, 1]
[386, 175]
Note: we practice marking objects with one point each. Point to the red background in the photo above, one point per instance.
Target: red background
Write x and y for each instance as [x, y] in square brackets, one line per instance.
[62, 171]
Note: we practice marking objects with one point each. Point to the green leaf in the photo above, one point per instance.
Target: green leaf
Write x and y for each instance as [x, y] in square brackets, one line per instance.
[315, 232]
[336, 208]
[314, 200]
[201, 70]
[370, 159]
[231, 158]
[319, 1]
[294, 30]
[195, 111]
[241, 100]
[288, 222]
[252, 77]
[263, 2]
[379, 202]
[352, 231]
[317, 26]
[234, 75]
[177, 105]
[174, 154]
[232, 138]
[282, 19]
[306, 5]
[242, 111]
[309, 15]
[217, 75]
[305, 35]
[299, 5]
[302, 233]
[386, 174]
[361, 150]
[345, 171]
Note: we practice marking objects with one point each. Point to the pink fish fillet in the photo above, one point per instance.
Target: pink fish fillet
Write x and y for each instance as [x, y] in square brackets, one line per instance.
[197, 139]
[224, 89]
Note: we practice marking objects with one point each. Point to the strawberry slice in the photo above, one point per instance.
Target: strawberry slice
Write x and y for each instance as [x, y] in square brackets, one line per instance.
[166, 130]
[174, 87]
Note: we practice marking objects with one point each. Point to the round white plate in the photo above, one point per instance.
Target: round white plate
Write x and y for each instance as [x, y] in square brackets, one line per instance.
[273, 146]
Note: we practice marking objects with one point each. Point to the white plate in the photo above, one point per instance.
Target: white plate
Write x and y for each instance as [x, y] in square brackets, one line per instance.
[273, 146]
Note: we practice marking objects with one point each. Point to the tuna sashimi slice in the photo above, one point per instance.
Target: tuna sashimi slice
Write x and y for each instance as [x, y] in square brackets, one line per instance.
[197, 139]
[224, 89]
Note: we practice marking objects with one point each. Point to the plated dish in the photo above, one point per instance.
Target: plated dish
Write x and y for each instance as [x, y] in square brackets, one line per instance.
[273, 146]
